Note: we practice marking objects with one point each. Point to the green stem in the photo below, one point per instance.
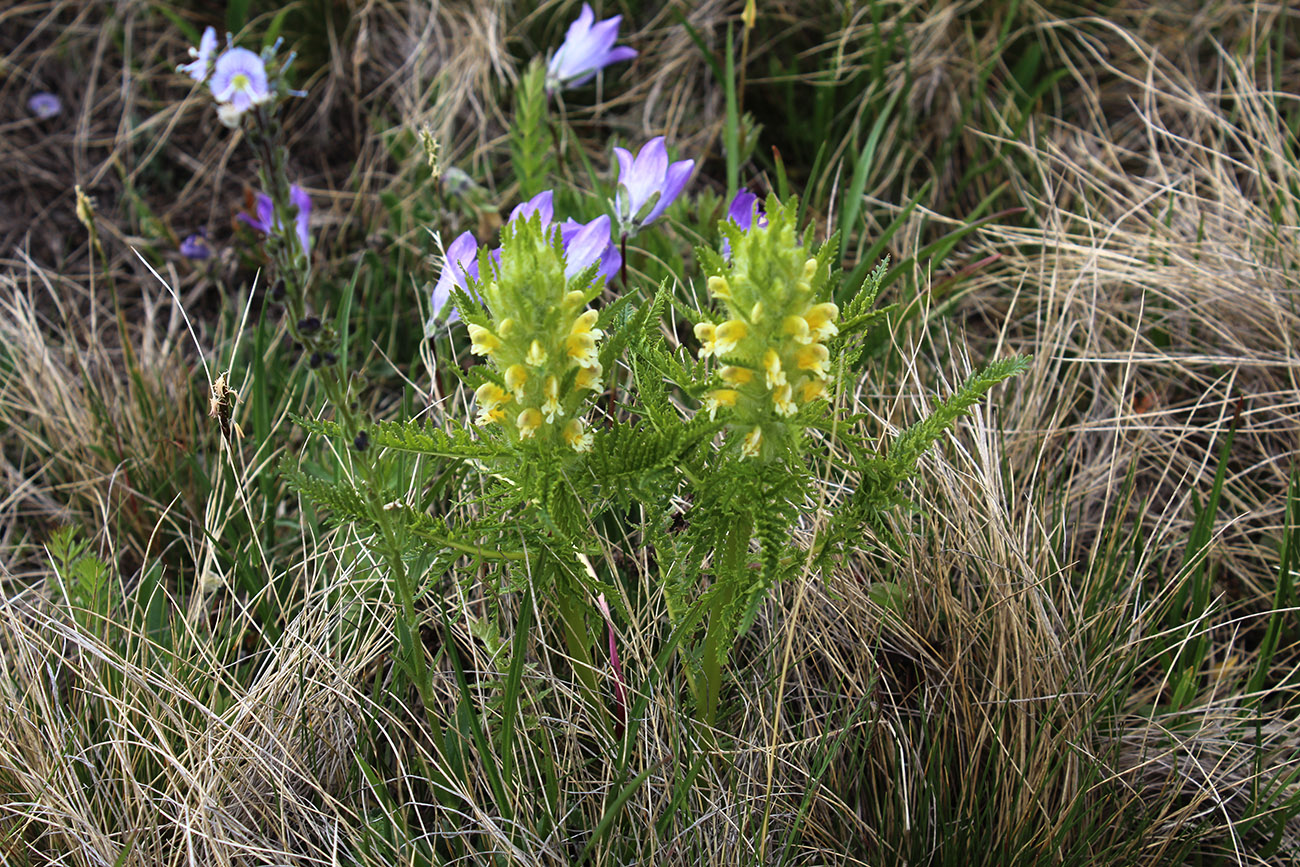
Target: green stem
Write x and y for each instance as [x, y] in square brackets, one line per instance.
[577, 641]
[733, 560]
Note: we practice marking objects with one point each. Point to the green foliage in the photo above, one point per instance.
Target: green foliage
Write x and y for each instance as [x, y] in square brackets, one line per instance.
[530, 138]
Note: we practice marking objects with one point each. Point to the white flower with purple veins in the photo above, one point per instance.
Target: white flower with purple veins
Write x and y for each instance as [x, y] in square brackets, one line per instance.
[44, 105]
[744, 210]
[199, 68]
[648, 184]
[238, 83]
[588, 48]
[459, 266]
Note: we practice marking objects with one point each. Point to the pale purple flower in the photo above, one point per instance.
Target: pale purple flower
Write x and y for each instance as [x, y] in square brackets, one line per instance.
[460, 265]
[44, 105]
[588, 47]
[584, 243]
[648, 184]
[588, 243]
[201, 65]
[238, 83]
[540, 204]
[265, 220]
[196, 246]
[744, 209]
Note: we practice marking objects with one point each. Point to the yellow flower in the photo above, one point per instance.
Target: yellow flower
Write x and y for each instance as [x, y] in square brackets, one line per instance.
[719, 397]
[589, 377]
[551, 408]
[749, 448]
[584, 324]
[729, 334]
[490, 397]
[482, 341]
[813, 358]
[719, 288]
[707, 334]
[536, 354]
[756, 312]
[796, 327]
[772, 364]
[516, 376]
[577, 435]
[528, 422]
[574, 299]
[821, 320]
[736, 376]
[581, 342]
[506, 326]
[811, 389]
[782, 402]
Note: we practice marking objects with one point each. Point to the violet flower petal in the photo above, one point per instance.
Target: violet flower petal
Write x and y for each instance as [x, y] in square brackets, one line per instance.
[459, 266]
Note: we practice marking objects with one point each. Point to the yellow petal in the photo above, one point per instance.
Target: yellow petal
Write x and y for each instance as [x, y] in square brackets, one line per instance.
[736, 376]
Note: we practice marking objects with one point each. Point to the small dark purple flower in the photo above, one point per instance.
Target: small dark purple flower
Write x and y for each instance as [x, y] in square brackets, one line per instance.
[201, 65]
[265, 221]
[588, 47]
[745, 207]
[196, 246]
[459, 266]
[44, 105]
[648, 184]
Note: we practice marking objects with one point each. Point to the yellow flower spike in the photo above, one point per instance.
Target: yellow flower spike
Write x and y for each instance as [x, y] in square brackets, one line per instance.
[729, 334]
[516, 377]
[528, 422]
[589, 377]
[719, 288]
[481, 340]
[797, 328]
[749, 448]
[772, 365]
[781, 401]
[551, 408]
[813, 358]
[811, 389]
[707, 334]
[490, 397]
[536, 354]
[577, 435]
[506, 326]
[736, 376]
[718, 398]
[821, 320]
